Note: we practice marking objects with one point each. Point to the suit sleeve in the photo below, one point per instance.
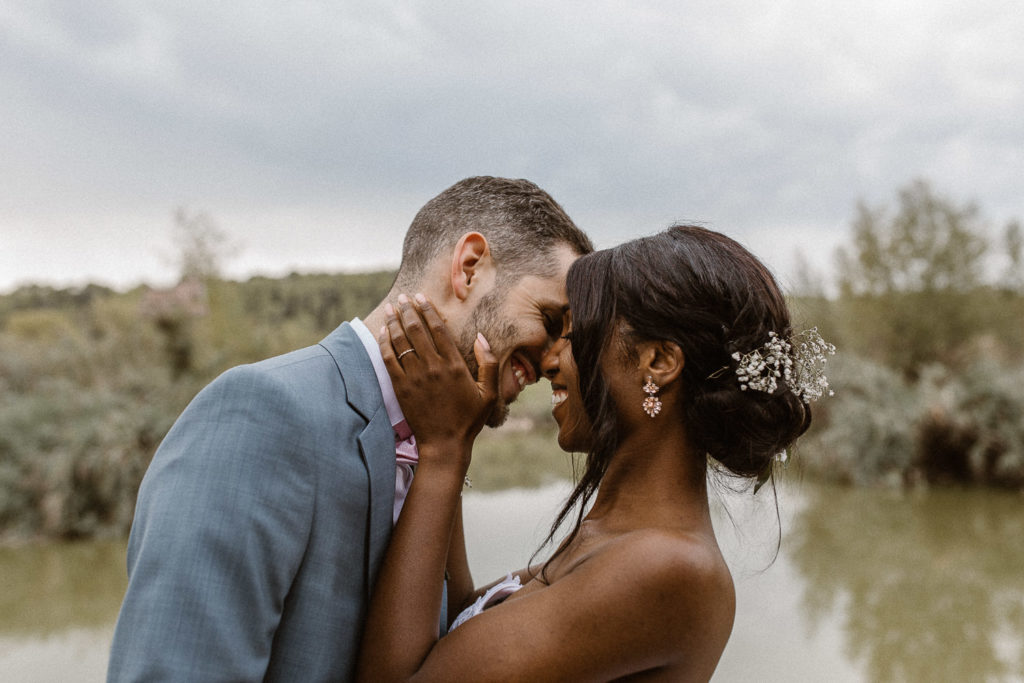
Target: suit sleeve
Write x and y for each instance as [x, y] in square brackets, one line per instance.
[221, 525]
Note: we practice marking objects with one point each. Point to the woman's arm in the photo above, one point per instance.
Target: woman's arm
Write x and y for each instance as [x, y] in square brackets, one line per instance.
[460, 580]
[644, 604]
[446, 409]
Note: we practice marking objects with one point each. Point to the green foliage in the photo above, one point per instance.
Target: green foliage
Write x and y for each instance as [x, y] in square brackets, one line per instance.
[973, 428]
[317, 301]
[863, 435]
[202, 245]
[911, 285]
[91, 380]
[881, 429]
[927, 244]
[524, 451]
[928, 381]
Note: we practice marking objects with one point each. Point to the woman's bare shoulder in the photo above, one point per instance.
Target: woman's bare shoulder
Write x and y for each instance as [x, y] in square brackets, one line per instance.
[669, 558]
[681, 577]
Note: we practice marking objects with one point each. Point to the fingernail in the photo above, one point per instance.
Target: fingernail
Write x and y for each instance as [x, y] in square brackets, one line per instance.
[389, 309]
[483, 341]
[403, 299]
[420, 299]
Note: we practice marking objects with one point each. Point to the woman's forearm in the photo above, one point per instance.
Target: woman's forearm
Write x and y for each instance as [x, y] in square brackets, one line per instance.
[405, 610]
[460, 579]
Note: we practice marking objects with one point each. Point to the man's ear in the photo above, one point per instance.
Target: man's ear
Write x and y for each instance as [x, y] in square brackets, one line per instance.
[662, 360]
[470, 259]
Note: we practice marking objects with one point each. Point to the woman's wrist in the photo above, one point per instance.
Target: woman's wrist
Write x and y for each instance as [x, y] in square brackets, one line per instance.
[451, 457]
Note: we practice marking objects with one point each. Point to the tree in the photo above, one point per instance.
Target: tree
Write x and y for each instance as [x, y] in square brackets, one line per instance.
[202, 246]
[928, 244]
[909, 283]
[1013, 239]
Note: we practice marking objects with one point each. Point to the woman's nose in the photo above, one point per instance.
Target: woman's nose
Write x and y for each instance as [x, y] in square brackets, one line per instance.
[549, 361]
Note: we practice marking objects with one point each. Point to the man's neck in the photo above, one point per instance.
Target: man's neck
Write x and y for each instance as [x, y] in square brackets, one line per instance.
[376, 318]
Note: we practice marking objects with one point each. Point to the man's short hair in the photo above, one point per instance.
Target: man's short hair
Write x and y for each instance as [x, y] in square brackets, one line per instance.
[522, 223]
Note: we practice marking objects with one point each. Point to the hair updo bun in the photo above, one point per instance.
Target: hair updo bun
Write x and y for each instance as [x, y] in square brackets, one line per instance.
[712, 297]
[744, 430]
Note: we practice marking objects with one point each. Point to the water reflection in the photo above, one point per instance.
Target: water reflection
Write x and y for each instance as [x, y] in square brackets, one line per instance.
[868, 586]
[53, 587]
[931, 586]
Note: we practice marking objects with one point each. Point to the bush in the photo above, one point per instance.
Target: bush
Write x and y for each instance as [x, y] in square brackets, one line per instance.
[91, 380]
[864, 434]
[945, 427]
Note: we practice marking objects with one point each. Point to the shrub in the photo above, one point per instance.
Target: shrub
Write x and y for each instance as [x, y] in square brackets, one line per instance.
[944, 427]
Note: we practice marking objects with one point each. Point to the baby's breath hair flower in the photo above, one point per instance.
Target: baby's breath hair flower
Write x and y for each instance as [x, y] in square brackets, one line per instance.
[798, 361]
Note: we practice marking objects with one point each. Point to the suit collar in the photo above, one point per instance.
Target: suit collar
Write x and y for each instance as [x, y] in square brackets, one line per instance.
[376, 441]
[362, 391]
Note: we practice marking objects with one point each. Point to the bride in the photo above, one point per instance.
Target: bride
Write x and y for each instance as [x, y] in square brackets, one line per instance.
[677, 352]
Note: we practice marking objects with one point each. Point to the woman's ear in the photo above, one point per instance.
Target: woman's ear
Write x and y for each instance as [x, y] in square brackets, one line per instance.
[471, 257]
[662, 360]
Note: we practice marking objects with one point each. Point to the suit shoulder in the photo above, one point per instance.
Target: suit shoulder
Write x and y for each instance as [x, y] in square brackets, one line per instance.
[297, 368]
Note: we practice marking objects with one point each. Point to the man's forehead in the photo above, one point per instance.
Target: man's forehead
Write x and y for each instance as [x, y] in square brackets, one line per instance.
[564, 257]
[548, 292]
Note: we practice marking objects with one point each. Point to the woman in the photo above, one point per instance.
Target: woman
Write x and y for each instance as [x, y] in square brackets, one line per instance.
[676, 347]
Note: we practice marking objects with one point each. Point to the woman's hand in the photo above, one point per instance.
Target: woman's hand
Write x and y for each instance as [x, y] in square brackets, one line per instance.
[439, 397]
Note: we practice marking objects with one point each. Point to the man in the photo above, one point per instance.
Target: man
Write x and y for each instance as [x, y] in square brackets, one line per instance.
[265, 513]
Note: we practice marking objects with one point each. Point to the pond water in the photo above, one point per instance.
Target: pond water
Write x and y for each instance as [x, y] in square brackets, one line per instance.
[866, 585]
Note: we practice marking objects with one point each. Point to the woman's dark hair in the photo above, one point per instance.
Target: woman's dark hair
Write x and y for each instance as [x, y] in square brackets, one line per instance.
[712, 297]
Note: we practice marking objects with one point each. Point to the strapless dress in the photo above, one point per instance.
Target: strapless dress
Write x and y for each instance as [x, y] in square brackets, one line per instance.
[495, 594]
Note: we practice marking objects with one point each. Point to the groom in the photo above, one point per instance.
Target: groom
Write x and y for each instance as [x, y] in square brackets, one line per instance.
[264, 515]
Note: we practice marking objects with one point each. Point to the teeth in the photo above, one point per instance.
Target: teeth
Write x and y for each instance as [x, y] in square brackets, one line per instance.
[558, 396]
[520, 377]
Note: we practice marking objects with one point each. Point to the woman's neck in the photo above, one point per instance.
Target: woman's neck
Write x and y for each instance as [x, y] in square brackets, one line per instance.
[654, 479]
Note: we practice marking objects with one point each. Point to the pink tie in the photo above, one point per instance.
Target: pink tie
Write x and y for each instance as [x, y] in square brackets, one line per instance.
[406, 456]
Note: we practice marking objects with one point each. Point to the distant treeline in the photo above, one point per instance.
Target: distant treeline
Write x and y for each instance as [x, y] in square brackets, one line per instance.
[91, 380]
[929, 385]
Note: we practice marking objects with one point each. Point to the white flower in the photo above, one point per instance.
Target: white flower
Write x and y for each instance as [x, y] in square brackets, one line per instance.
[760, 369]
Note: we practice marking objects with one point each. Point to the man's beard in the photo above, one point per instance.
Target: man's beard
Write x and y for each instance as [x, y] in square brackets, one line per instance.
[485, 319]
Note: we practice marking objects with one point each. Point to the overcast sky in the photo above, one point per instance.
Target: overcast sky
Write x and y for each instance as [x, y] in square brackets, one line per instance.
[312, 131]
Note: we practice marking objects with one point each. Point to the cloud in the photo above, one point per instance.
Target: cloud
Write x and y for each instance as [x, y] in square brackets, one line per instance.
[767, 122]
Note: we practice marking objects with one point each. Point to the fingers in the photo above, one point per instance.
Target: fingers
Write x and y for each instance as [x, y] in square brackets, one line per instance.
[488, 363]
[399, 340]
[443, 341]
[387, 351]
[415, 331]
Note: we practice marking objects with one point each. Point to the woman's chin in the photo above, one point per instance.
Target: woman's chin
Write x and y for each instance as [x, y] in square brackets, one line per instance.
[568, 442]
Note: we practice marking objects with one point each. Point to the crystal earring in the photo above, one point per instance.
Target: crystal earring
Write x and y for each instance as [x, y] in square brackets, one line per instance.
[651, 404]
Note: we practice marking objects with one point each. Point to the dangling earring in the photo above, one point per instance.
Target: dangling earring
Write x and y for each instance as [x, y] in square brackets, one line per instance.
[651, 404]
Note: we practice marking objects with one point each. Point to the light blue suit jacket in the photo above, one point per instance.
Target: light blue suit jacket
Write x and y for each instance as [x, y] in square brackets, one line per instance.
[260, 525]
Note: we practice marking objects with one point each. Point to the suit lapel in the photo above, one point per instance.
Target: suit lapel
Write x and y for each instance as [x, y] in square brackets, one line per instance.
[376, 441]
